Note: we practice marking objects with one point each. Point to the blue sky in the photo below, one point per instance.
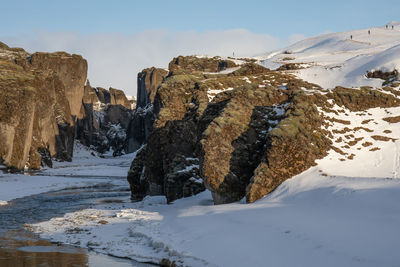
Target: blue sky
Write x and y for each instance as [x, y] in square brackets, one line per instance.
[277, 18]
[119, 38]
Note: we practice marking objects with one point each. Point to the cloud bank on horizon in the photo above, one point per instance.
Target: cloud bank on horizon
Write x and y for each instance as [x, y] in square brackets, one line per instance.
[115, 59]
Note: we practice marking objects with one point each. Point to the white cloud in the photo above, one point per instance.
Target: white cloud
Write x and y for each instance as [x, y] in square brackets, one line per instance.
[115, 59]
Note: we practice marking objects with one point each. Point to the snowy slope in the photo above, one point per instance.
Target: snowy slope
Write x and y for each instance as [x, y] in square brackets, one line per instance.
[336, 59]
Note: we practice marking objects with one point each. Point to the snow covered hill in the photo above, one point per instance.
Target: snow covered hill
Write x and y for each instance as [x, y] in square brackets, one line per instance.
[342, 59]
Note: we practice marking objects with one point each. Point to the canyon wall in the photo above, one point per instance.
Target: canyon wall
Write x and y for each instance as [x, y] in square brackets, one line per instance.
[45, 105]
[239, 133]
[40, 98]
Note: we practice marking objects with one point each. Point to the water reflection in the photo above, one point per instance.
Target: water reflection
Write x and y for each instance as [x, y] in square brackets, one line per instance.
[20, 248]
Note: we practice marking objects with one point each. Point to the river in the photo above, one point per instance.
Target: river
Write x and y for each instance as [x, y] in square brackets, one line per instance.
[21, 248]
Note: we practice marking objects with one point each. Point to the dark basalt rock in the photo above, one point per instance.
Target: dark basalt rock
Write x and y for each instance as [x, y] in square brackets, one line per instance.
[45, 157]
[138, 185]
[104, 125]
[141, 125]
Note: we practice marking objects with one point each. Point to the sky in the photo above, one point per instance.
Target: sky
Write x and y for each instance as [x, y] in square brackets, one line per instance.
[121, 37]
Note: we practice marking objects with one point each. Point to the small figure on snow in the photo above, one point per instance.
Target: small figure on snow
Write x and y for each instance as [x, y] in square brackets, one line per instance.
[351, 37]
[386, 27]
[392, 27]
[369, 32]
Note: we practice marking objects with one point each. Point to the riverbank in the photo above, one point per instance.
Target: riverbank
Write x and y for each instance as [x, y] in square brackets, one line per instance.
[81, 172]
[41, 196]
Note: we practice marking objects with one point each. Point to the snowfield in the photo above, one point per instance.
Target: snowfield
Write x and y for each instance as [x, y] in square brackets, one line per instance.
[337, 60]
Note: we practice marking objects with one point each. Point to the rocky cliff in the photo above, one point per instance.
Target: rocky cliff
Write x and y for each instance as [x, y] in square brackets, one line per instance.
[107, 114]
[40, 96]
[140, 126]
[46, 105]
[239, 133]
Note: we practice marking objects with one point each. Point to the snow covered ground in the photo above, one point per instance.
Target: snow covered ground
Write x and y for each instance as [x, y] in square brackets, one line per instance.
[66, 175]
[310, 220]
[342, 59]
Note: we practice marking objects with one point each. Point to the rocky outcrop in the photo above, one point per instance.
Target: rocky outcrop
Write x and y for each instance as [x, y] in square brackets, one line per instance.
[148, 81]
[140, 126]
[188, 127]
[384, 75]
[190, 64]
[47, 105]
[70, 69]
[106, 119]
[36, 120]
[239, 134]
[118, 97]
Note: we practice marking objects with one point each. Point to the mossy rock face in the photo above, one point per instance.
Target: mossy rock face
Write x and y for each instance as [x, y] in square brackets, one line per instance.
[250, 130]
[34, 107]
[292, 147]
[363, 98]
[191, 64]
[231, 145]
[12, 53]
[384, 75]
[71, 71]
[228, 134]
[249, 69]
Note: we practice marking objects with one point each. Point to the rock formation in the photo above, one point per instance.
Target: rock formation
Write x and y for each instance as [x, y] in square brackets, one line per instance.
[45, 105]
[72, 72]
[140, 126]
[192, 64]
[118, 98]
[107, 115]
[38, 93]
[238, 134]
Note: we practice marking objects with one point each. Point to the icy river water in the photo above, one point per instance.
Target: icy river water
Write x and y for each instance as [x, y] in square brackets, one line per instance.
[19, 247]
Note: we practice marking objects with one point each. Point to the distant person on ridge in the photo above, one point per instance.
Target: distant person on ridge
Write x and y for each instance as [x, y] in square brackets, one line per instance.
[369, 32]
[386, 27]
[351, 37]
[392, 27]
